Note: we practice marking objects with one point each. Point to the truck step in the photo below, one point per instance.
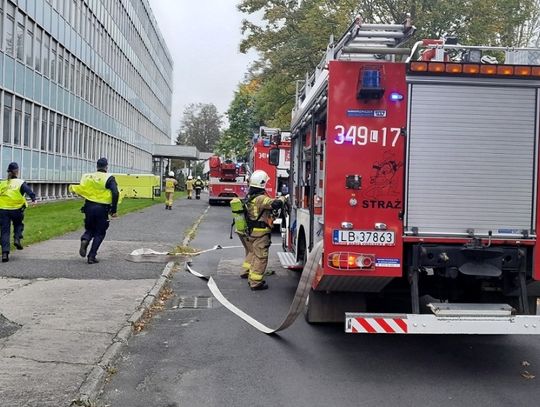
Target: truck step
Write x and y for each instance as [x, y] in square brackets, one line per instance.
[288, 261]
[470, 310]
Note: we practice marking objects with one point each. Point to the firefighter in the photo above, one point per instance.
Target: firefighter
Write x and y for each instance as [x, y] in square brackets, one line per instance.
[12, 206]
[189, 186]
[101, 199]
[170, 184]
[260, 220]
[198, 185]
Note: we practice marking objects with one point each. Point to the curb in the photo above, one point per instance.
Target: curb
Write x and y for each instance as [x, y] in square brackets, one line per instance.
[92, 385]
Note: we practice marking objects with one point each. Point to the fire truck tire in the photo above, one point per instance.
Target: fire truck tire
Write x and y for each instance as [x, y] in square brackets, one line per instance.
[330, 307]
[212, 202]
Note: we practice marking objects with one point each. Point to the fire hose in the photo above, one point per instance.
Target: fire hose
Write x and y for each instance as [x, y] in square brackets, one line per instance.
[298, 302]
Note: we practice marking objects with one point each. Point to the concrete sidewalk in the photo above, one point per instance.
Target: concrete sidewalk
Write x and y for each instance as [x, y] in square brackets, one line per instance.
[62, 321]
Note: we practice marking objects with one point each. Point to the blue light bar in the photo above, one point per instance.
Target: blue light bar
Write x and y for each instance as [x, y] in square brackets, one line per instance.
[395, 97]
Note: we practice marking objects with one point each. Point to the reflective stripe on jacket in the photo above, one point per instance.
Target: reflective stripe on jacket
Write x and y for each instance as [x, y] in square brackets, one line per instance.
[92, 188]
[10, 194]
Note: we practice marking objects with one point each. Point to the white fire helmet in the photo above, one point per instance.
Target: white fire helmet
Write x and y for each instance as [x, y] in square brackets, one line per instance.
[171, 174]
[190, 177]
[259, 179]
[198, 177]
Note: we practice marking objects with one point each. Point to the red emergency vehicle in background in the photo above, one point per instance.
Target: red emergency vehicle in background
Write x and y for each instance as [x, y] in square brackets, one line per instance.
[226, 180]
[273, 139]
[419, 178]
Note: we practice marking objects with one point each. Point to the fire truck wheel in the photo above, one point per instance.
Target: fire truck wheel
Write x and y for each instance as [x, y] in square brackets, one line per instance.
[330, 307]
[211, 202]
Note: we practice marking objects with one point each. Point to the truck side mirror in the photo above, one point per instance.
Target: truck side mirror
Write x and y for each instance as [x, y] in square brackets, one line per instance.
[273, 157]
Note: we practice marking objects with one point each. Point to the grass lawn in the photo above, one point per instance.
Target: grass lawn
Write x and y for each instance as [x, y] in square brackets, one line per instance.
[48, 220]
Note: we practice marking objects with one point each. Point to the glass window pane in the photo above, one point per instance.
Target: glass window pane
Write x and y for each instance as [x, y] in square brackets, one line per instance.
[8, 101]
[20, 36]
[35, 130]
[29, 44]
[17, 123]
[27, 123]
[9, 28]
[37, 49]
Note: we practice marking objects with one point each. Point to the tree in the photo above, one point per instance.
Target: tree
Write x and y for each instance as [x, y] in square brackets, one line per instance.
[294, 34]
[243, 122]
[200, 126]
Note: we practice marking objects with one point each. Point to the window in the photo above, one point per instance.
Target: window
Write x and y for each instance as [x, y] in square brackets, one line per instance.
[10, 26]
[35, 130]
[44, 126]
[17, 123]
[46, 47]
[8, 101]
[27, 123]
[60, 64]
[51, 131]
[37, 49]
[1, 22]
[20, 36]
[58, 134]
[29, 43]
[66, 69]
[53, 60]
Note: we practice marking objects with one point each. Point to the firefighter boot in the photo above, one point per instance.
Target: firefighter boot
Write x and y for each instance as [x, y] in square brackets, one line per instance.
[261, 285]
[5, 257]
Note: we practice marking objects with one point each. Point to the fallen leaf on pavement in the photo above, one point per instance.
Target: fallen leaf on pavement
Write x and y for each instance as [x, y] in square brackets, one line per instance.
[525, 374]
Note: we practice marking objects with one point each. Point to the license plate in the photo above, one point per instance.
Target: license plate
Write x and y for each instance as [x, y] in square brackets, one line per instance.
[364, 237]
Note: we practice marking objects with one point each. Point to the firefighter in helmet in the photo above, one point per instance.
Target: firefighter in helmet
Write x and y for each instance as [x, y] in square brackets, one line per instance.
[198, 185]
[260, 208]
[170, 184]
[189, 186]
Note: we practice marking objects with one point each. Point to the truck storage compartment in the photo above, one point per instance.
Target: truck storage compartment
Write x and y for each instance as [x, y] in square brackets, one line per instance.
[471, 162]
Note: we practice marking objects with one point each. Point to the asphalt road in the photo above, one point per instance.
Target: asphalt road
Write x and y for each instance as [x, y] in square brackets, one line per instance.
[209, 357]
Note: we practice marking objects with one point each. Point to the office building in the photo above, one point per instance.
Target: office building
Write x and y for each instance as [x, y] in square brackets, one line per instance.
[81, 79]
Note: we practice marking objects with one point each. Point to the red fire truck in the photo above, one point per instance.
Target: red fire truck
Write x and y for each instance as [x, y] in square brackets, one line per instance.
[280, 142]
[227, 180]
[417, 171]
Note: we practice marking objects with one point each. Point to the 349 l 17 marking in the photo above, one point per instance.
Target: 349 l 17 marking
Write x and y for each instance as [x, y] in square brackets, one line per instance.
[361, 135]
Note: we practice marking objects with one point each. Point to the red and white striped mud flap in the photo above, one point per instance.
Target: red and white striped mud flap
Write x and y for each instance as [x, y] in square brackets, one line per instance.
[377, 324]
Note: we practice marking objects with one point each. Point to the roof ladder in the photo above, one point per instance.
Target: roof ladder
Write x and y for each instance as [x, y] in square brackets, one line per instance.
[373, 41]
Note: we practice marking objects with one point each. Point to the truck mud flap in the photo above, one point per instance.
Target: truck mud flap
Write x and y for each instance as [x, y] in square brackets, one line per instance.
[298, 302]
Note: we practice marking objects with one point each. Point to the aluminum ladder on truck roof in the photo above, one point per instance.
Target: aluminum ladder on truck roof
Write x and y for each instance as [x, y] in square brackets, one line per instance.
[361, 42]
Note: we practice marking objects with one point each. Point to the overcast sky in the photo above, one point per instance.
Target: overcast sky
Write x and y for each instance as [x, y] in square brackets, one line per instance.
[203, 37]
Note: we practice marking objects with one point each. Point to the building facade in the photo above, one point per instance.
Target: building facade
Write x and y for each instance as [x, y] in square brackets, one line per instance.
[81, 79]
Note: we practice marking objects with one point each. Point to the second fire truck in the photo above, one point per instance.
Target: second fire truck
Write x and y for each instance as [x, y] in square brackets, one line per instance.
[417, 171]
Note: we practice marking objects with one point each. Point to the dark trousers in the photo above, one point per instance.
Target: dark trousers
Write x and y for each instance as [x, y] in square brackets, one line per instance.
[7, 216]
[96, 223]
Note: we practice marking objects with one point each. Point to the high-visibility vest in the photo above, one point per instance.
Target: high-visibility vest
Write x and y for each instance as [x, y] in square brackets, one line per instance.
[92, 188]
[10, 194]
[169, 184]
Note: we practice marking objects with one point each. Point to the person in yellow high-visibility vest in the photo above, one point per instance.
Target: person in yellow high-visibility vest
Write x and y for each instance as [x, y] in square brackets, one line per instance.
[170, 184]
[101, 199]
[189, 187]
[260, 221]
[12, 206]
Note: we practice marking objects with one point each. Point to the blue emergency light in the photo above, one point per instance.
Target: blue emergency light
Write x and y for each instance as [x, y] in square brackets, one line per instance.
[396, 97]
[369, 85]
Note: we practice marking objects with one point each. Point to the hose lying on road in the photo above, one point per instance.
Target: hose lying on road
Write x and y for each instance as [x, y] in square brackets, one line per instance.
[297, 304]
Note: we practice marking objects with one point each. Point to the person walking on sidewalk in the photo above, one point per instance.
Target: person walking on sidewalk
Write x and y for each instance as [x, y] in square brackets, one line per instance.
[12, 206]
[260, 221]
[170, 184]
[189, 187]
[101, 199]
